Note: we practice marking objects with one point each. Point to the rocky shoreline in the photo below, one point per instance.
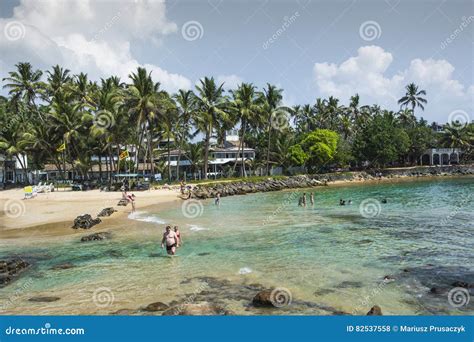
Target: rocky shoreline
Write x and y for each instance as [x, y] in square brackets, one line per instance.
[307, 181]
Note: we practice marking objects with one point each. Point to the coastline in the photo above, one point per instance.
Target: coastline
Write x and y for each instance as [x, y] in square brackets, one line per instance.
[53, 212]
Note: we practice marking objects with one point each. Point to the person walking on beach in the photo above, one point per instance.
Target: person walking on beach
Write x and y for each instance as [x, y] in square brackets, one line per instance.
[178, 236]
[131, 199]
[311, 199]
[171, 240]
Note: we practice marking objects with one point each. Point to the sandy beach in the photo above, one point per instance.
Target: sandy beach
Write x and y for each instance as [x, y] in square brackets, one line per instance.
[52, 209]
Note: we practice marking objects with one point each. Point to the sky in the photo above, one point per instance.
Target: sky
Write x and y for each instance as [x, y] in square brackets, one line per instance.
[309, 48]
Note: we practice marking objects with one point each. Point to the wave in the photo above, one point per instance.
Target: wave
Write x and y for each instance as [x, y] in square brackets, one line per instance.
[195, 228]
[144, 217]
[245, 270]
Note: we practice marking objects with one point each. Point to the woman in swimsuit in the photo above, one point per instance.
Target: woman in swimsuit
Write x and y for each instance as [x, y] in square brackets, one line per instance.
[178, 236]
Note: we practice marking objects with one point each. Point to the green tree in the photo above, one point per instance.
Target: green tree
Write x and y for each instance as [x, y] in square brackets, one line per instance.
[413, 97]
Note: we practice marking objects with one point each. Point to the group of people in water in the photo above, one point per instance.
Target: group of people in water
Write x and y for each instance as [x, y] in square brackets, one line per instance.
[302, 200]
[171, 239]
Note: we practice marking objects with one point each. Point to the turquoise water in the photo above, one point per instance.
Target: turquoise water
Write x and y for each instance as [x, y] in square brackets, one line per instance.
[328, 258]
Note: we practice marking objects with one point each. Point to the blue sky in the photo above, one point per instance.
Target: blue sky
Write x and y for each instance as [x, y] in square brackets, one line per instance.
[309, 48]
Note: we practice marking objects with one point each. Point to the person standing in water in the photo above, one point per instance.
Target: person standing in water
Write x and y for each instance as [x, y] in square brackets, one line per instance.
[178, 236]
[311, 199]
[171, 240]
[218, 199]
[304, 199]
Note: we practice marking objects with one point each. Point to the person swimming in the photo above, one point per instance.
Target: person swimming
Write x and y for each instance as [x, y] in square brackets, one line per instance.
[342, 202]
[384, 200]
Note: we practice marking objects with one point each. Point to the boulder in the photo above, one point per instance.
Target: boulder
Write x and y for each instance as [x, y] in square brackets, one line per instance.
[44, 299]
[198, 309]
[106, 212]
[63, 266]
[96, 237]
[375, 311]
[85, 222]
[157, 306]
[122, 202]
[11, 269]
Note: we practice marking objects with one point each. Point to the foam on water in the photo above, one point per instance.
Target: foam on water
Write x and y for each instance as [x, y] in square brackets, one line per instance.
[145, 217]
[245, 270]
[195, 228]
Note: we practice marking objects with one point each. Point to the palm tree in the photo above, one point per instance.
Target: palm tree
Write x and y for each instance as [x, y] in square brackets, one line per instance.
[141, 102]
[406, 117]
[413, 97]
[245, 105]
[24, 83]
[210, 105]
[194, 153]
[271, 107]
[185, 100]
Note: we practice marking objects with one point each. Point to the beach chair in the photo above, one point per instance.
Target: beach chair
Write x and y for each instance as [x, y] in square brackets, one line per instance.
[28, 190]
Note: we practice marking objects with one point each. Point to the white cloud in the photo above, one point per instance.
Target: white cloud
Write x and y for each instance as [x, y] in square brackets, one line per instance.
[366, 74]
[230, 81]
[90, 36]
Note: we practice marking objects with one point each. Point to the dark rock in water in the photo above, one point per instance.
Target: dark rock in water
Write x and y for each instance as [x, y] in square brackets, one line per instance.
[85, 222]
[363, 242]
[63, 266]
[462, 284]
[157, 306]
[106, 212]
[44, 299]
[264, 299]
[114, 253]
[341, 313]
[122, 202]
[124, 312]
[375, 311]
[322, 292]
[96, 237]
[204, 254]
[349, 284]
[11, 269]
[437, 290]
[198, 309]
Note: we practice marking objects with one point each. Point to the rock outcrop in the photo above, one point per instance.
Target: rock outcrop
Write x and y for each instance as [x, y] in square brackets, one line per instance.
[197, 309]
[157, 306]
[85, 222]
[106, 212]
[11, 269]
[96, 237]
[375, 311]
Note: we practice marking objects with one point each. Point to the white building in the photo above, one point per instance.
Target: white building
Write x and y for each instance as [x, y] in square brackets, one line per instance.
[441, 156]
